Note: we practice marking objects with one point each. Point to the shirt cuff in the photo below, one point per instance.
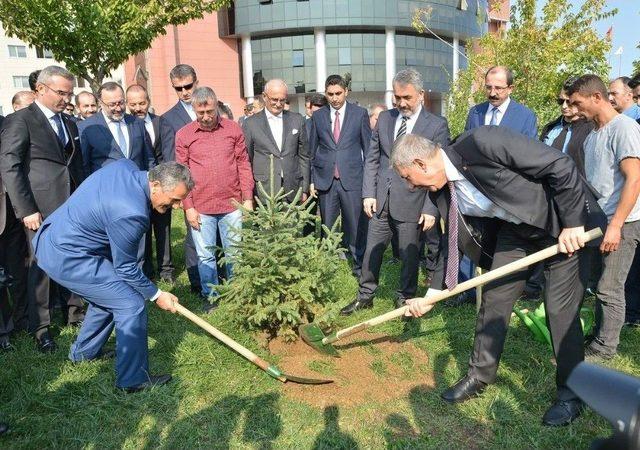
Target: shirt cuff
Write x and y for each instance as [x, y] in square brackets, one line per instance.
[155, 296]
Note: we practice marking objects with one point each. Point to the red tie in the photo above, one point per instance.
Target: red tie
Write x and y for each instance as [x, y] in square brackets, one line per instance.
[336, 137]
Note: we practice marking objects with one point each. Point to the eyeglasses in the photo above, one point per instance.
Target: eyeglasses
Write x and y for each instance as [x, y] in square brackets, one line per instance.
[63, 94]
[186, 87]
[275, 101]
[561, 101]
[495, 88]
[113, 105]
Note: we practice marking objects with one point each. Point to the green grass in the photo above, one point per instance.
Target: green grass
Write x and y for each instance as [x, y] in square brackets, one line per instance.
[219, 400]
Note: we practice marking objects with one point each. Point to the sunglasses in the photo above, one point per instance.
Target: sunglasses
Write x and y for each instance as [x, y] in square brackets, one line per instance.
[186, 87]
[560, 101]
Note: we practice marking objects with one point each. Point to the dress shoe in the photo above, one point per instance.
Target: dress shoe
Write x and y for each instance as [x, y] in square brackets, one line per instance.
[6, 347]
[465, 389]
[593, 355]
[356, 305]
[460, 299]
[154, 380]
[400, 302]
[45, 343]
[562, 413]
[208, 307]
[3, 428]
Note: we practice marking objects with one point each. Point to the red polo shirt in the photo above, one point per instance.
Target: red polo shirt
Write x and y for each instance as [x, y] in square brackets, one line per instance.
[219, 164]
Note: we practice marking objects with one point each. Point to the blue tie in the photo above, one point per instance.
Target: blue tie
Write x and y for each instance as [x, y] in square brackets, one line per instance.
[60, 129]
[494, 117]
[122, 142]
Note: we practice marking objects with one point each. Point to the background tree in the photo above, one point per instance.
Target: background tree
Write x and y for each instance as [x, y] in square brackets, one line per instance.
[93, 37]
[542, 50]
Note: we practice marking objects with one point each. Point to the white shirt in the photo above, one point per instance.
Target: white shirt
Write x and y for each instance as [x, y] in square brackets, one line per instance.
[332, 113]
[499, 115]
[188, 107]
[276, 126]
[411, 121]
[149, 127]
[49, 115]
[471, 201]
[113, 128]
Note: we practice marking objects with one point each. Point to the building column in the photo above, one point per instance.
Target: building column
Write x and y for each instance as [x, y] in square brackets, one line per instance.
[456, 56]
[247, 67]
[319, 37]
[390, 65]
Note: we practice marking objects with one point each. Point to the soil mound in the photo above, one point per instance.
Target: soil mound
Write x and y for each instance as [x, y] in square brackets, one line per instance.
[372, 368]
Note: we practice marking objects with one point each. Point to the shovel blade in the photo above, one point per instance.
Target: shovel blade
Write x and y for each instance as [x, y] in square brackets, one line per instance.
[312, 335]
[302, 380]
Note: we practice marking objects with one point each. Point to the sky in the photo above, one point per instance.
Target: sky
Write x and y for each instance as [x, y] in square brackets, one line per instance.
[626, 34]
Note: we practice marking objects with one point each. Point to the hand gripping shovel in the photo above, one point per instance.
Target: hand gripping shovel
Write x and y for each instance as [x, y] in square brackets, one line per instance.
[248, 354]
[314, 337]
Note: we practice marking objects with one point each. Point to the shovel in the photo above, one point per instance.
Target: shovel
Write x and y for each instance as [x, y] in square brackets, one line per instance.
[314, 337]
[248, 354]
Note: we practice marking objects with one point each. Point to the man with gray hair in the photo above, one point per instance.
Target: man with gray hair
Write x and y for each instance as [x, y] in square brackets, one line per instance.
[394, 210]
[214, 149]
[90, 246]
[494, 226]
[41, 165]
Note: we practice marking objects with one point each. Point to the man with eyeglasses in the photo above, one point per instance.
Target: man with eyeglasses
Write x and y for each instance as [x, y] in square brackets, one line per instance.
[184, 80]
[41, 165]
[281, 134]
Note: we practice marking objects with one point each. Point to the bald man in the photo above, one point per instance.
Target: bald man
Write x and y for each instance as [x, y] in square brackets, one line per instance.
[22, 99]
[275, 131]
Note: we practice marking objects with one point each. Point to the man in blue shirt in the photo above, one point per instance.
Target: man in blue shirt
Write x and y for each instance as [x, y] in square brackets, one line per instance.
[621, 98]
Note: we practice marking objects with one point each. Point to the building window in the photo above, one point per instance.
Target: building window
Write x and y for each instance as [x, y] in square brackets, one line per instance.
[17, 51]
[21, 82]
[297, 58]
[344, 56]
[44, 53]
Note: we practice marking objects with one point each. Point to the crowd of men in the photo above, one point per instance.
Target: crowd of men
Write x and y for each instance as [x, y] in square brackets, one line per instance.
[391, 175]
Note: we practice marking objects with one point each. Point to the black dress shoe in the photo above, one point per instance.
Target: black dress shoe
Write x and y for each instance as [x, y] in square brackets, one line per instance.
[208, 307]
[465, 389]
[460, 299]
[400, 302]
[354, 306]
[154, 380]
[3, 428]
[562, 413]
[76, 324]
[5, 347]
[45, 343]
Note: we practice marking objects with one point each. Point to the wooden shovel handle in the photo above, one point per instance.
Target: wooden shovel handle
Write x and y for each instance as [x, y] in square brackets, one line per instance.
[473, 282]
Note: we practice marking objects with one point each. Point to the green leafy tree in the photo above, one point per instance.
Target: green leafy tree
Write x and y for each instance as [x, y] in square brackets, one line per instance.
[93, 37]
[283, 278]
[543, 50]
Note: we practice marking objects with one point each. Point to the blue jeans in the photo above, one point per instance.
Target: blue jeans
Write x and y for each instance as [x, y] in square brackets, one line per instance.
[204, 239]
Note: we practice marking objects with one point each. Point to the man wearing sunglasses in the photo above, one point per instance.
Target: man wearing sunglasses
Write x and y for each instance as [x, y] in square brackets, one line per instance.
[41, 165]
[184, 80]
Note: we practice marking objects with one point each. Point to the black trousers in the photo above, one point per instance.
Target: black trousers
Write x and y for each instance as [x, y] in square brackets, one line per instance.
[13, 253]
[382, 228]
[430, 246]
[563, 291]
[191, 257]
[161, 229]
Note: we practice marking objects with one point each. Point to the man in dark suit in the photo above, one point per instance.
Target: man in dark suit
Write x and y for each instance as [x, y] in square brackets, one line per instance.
[281, 134]
[394, 209]
[138, 102]
[505, 196]
[112, 134]
[184, 80]
[41, 165]
[87, 105]
[339, 138]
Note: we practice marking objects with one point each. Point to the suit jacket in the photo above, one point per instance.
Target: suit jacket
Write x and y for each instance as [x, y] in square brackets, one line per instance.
[292, 161]
[99, 147]
[381, 181]
[580, 129]
[90, 242]
[170, 123]
[38, 173]
[540, 186]
[3, 201]
[348, 153]
[517, 117]
[157, 143]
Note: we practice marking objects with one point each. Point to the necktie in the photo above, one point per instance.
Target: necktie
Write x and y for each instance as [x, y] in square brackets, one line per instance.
[451, 274]
[60, 129]
[494, 117]
[403, 128]
[336, 138]
[122, 142]
[558, 142]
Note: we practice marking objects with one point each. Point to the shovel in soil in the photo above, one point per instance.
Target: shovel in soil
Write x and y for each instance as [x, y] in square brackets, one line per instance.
[245, 352]
[316, 339]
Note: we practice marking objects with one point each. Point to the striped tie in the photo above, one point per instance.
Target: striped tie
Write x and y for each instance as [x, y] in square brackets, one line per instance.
[403, 128]
[451, 274]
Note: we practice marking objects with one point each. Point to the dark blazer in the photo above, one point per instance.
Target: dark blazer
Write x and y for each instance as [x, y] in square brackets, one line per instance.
[3, 201]
[580, 129]
[99, 147]
[537, 184]
[349, 152]
[380, 179]
[157, 143]
[293, 160]
[517, 117]
[37, 171]
[170, 123]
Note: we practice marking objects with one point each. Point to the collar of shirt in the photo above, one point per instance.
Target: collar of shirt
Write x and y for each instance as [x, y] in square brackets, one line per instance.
[147, 118]
[502, 108]
[115, 122]
[46, 111]
[450, 170]
[187, 106]
[633, 111]
[215, 127]
[414, 116]
[270, 116]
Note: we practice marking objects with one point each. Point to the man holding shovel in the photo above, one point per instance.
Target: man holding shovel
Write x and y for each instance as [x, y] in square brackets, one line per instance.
[90, 246]
[505, 196]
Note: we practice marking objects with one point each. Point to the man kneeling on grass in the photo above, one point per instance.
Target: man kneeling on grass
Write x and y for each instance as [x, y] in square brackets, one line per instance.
[492, 182]
[92, 246]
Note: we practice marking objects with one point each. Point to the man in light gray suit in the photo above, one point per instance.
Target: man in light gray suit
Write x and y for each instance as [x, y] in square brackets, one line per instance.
[274, 131]
[394, 208]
